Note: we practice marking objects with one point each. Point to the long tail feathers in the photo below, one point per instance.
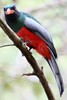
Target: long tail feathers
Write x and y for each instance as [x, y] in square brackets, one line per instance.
[56, 72]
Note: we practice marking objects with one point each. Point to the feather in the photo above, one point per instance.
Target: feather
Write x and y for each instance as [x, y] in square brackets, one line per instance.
[55, 69]
[41, 32]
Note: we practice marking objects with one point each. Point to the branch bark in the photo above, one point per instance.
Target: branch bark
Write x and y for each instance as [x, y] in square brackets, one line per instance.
[38, 72]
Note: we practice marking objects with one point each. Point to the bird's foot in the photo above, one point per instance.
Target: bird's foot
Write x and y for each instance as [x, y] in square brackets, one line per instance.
[26, 42]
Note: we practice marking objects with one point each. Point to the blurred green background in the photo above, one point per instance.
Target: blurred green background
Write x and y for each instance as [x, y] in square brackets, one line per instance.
[53, 16]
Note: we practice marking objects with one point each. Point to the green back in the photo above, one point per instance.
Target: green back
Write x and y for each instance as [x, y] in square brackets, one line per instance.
[19, 23]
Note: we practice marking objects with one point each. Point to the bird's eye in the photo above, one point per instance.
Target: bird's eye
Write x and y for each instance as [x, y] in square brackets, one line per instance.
[5, 9]
[13, 8]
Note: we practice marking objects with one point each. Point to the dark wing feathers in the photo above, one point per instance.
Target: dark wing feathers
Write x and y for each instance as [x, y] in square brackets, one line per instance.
[41, 32]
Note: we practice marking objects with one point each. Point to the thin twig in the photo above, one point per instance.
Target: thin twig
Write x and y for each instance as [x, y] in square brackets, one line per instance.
[7, 45]
[28, 74]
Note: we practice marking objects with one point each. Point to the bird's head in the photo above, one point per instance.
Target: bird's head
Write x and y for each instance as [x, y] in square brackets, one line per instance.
[11, 12]
[10, 9]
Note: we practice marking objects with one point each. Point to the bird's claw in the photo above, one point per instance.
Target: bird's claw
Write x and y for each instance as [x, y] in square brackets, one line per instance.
[25, 43]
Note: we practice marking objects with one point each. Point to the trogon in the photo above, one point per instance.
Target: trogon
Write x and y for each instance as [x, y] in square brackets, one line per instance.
[31, 30]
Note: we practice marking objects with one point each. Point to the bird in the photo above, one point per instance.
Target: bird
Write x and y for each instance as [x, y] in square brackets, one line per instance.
[36, 37]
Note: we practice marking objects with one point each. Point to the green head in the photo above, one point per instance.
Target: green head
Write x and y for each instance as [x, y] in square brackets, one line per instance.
[10, 9]
[13, 17]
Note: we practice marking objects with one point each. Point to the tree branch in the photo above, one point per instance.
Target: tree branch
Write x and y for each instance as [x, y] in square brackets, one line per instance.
[18, 43]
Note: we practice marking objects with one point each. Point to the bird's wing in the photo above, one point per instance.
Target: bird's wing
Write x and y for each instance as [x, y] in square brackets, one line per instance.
[41, 32]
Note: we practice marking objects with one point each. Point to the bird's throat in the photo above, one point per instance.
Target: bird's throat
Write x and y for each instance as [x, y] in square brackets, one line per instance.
[12, 17]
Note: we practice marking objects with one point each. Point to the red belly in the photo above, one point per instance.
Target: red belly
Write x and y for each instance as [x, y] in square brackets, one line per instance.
[38, 44]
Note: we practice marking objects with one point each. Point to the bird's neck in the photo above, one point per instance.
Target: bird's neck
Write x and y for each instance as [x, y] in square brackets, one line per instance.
[12, 17]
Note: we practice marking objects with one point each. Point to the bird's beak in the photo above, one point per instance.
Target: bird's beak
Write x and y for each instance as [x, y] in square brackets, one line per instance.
[9, 11]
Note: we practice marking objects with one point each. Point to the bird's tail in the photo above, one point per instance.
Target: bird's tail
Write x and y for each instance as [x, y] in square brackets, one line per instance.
[56, 72]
